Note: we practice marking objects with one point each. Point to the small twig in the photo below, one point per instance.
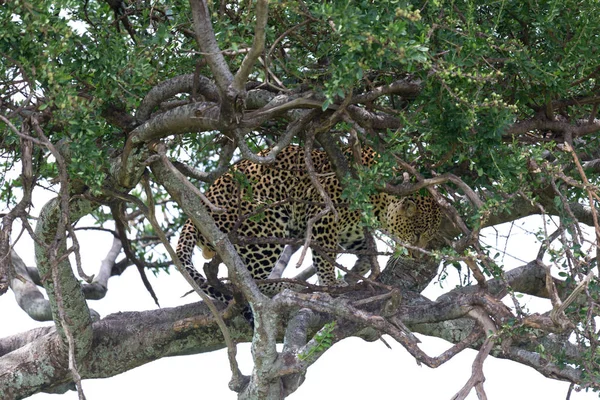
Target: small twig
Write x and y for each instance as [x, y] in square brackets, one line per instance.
[571, 386]
[227, 151]
[282, 263]
[329, 207]
[6, 267]
[283, 35]
[292, 131]
[117, 212]
[591, 196]
[481, 281]
[372, 248]
[32, 91]
[280, 86]
[559, 311]
[547, 242]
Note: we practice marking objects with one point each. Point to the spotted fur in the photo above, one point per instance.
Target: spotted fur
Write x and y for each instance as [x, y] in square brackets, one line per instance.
[276, 200]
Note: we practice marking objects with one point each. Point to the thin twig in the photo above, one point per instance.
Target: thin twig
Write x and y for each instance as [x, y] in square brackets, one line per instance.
[591, 196]
[28, 181]
[329, 207]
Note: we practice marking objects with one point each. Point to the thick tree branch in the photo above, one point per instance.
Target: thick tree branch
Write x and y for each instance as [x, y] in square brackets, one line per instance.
[183, 119]
[403, 87]
[580, 128]
[205, 37]
[169, 88]
[69, 309]
[187, 195]
[190, 329]
[187, 118]
[27, 294]
[258, 45]
[73, 302]
[368, 119]
[116, 348]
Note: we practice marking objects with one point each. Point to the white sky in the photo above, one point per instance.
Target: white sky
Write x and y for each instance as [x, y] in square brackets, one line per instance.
[352, 369]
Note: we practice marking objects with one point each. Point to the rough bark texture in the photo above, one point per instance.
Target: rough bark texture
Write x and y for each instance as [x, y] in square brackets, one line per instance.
[57, 276]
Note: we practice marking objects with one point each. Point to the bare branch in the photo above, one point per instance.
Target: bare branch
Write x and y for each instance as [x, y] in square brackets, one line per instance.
[205, 37]
[209, 177]
[6, 267]
[293, 129]
[69, 309]
[477, 378]
[258, 45]
[98, 288]
[342, 309]
[169, 88]
[592, 194]
[329, 207]
[117, 213]
[580, 128]
[29, 298]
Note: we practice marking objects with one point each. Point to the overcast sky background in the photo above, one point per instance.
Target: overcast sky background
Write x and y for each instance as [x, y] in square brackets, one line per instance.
[351, 369]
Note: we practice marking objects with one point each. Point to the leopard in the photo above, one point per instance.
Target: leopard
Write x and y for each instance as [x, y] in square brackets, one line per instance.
[274, 202]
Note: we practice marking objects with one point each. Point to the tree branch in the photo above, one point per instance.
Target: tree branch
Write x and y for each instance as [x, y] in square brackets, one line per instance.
[28, 296]
[98, 288]
[404, 87]
[69, 309]
[580, 128]
[258, 45]
[169, 88]
[205, 37]
[6, 268]
[117, 347]
[187, 195]
[223, 165]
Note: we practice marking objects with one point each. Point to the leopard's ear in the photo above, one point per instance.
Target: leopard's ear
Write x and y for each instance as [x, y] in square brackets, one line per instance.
[408, 207]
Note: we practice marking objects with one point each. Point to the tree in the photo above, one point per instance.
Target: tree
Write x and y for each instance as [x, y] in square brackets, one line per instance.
[124, 109]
